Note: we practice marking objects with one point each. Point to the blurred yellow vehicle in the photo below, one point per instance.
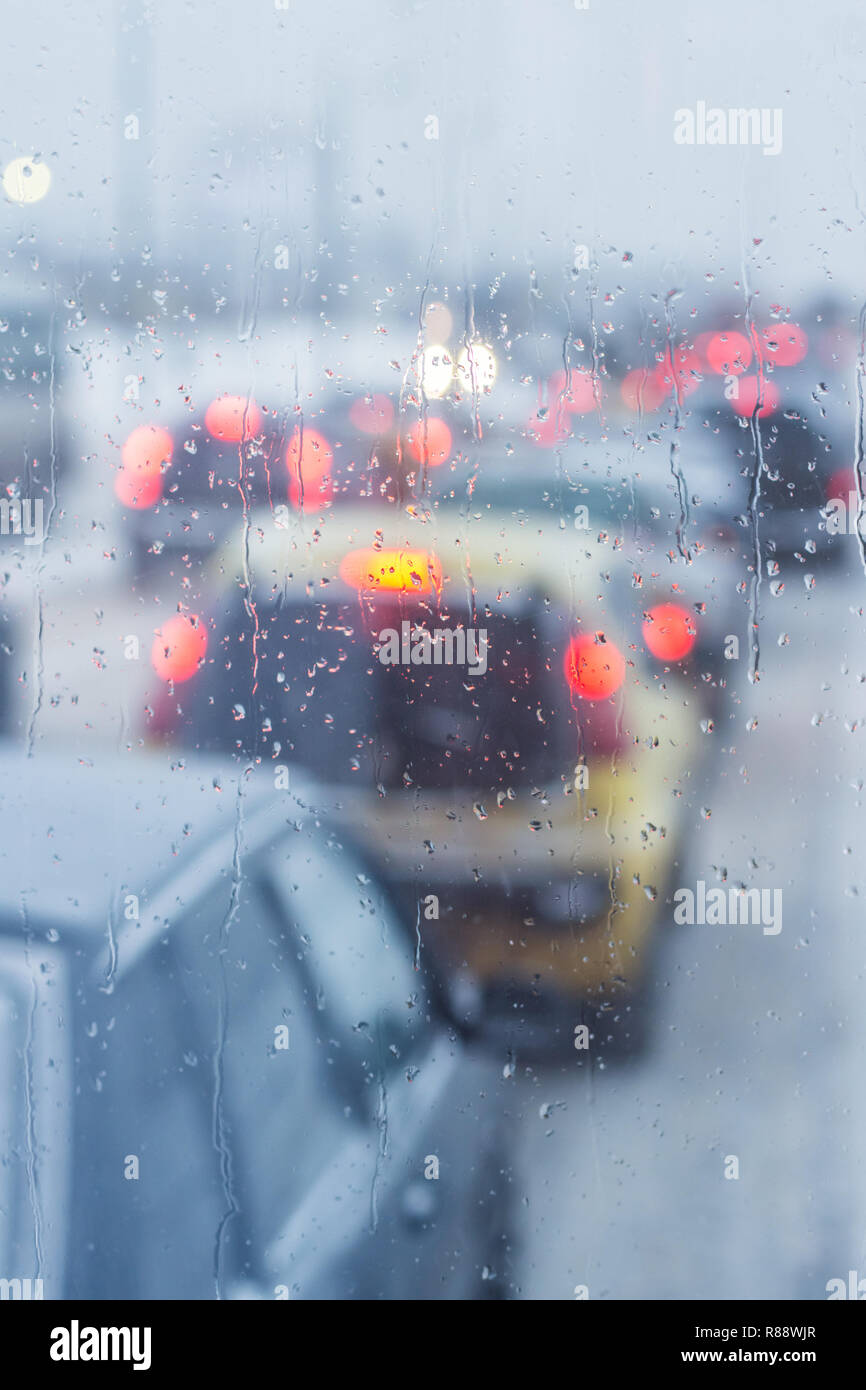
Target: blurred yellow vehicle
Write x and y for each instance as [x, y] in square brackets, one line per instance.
[496, 674]
[503, 703]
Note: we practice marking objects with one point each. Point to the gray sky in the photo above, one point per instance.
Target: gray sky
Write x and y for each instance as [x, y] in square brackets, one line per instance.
[556, 126]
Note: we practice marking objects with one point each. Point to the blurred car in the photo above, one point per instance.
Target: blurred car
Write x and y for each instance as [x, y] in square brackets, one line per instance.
[798, 462]
[220, 1069]
[29, 376]
[32, 460]
[538, 801]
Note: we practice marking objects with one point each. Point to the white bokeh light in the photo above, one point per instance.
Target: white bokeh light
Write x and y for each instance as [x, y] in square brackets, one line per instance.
[476, 367]
[435, 371]
[25, 180]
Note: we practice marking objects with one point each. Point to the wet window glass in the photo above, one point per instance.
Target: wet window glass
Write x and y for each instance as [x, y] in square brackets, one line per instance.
[432, 574]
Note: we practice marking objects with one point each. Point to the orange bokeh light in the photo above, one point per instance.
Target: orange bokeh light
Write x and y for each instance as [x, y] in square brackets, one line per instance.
[398, 571]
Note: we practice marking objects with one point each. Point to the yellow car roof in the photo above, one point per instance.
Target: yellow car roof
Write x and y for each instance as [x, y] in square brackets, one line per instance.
[364, 549]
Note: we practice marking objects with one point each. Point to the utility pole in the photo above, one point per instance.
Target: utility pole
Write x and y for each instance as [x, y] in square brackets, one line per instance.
[135, 143]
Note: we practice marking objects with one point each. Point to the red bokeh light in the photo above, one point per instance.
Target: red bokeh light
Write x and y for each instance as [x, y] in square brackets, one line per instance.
[669, 631]
[594, 669]
[576, 395]
[179, 648]
[747, 398]
[372, 414]
[642, 389]
[147, 448]
[680, 371]
[138, 483]
[702, 342]
[233, 418]
[138, 489]
[728, 353]
[309, 459]
[784, 343]
[430, 441]
[841, 483]
[547, 433]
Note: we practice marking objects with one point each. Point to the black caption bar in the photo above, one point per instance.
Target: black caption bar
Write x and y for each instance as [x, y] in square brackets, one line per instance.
[60, 1339]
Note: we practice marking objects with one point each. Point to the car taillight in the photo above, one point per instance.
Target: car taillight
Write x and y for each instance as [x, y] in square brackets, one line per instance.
[372, 414]
[786, 344]
[430, 441]
[179, 648]
[642, 389]
[574, 392]
[137, 489]
[400, 571]
[669, 631]
[233, 419]
[727, 353]
[309, 458]
[594, 666]
[751, 389]
[145, 455]
[840, 484]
